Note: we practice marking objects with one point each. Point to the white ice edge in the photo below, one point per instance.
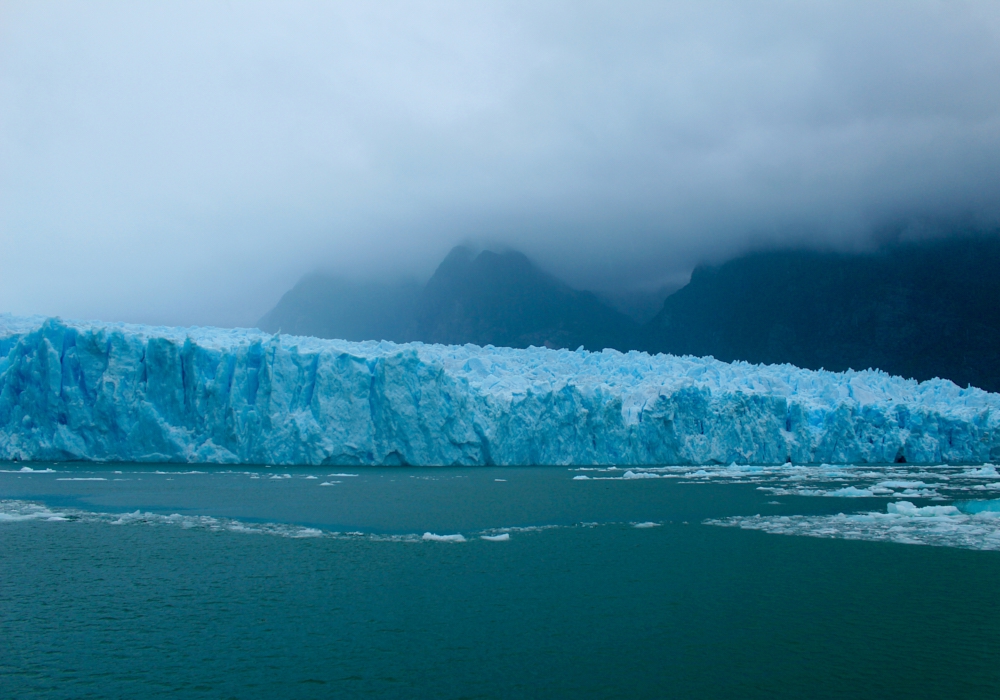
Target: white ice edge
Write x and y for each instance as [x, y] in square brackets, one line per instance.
[16, 510]
[431, 537]
[936, 482]
[902, 523]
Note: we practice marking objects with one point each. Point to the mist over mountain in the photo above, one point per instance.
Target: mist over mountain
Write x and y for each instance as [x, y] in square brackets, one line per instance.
[918, 310]
[641, 305]
[503, 299]
[145, 143]
[330, 307]
[487, 298]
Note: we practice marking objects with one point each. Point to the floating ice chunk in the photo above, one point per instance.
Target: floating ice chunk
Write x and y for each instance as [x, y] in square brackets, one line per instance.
[850, 492]
[128, 517]
[311, 477]
[903, 523]
[14, 511]
[640, 475]
[987, 471]
[645, 525]
[81, 478]
[492, 538]
[499, 480]
[430, 536]
[307, 532]
[583, 477]
[908, 509]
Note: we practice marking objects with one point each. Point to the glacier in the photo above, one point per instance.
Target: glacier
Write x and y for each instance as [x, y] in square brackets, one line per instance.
[97, 391]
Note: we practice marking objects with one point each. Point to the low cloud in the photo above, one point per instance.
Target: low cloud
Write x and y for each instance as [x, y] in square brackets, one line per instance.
[187, 162]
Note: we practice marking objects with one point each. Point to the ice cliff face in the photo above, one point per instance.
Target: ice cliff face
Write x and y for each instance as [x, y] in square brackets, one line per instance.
[101, 391]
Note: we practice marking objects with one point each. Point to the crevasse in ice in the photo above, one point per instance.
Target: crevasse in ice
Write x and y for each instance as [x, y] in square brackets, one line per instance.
[103, 391]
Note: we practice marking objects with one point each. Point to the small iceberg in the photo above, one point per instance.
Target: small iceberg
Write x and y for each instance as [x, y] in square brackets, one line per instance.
[431, 537]
[851, 492]
[908, 509]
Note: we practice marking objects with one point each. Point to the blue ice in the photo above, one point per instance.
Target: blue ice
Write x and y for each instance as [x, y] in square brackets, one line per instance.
[117, 392]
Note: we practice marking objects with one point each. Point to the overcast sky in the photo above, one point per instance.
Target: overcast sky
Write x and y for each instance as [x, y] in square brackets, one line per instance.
[186, 163]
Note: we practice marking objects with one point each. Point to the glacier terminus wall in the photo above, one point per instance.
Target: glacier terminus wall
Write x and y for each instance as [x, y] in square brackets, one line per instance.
[117, 392]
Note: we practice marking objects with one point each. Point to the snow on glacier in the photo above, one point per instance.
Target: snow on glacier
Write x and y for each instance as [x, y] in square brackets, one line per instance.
[118, 392]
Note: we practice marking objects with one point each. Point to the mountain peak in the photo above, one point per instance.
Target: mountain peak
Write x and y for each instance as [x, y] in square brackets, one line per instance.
[484, 298]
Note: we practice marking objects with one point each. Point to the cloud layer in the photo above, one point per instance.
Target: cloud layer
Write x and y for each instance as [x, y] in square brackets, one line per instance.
[186, 163]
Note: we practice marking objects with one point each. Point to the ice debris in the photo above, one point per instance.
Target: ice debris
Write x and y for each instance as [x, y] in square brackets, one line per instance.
[117, 392]
[431, 537]
[975, 527]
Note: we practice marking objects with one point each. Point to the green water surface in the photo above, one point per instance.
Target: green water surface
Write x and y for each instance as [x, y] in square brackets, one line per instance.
[592, 608]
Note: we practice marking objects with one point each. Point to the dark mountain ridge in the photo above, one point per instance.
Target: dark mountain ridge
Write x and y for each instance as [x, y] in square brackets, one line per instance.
[503, 299]
[920, 310]
[499, 299]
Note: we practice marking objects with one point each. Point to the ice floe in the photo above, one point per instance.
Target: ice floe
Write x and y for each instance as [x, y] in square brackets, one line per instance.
[936, 482]
[903, 523]
[430, 536]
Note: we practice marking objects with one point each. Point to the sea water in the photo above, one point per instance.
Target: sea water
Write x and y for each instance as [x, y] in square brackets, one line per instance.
[787, 582]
